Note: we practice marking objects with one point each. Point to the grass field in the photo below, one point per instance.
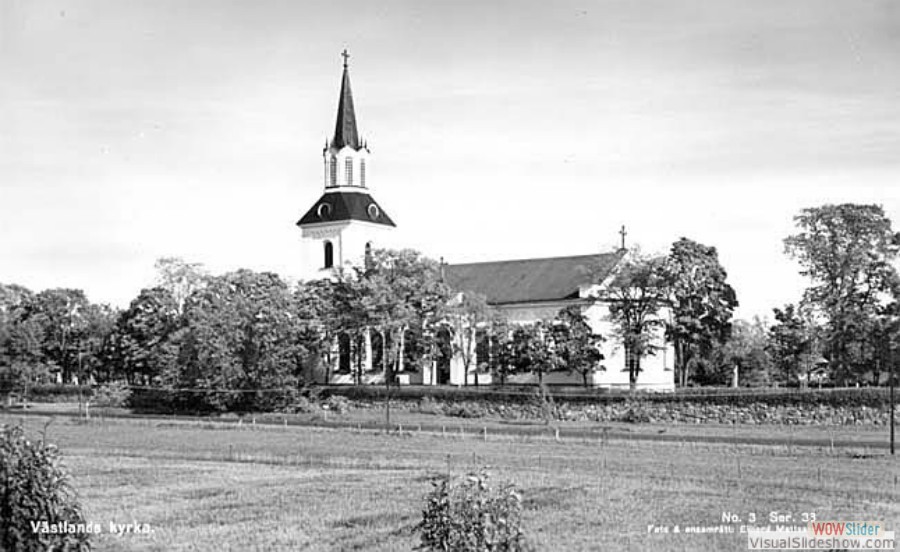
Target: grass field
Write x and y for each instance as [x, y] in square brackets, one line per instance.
[206, 486]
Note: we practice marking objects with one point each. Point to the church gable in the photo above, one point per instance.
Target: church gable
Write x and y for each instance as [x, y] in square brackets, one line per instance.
[532, 280]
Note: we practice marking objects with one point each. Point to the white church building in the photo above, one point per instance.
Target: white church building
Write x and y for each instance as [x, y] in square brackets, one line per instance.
[341, 226]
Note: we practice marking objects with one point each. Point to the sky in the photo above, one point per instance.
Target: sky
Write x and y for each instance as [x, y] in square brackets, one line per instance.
[136, 129]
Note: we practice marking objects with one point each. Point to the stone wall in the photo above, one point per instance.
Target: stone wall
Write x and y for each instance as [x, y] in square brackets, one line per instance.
[686, 411]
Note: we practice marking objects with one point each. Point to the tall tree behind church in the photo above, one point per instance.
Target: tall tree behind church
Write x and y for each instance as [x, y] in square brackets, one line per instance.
[635, 298]
[702, 304]
[847, 251]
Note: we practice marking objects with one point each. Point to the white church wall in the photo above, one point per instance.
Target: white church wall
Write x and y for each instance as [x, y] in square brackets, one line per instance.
[312, 248]
[348, 239]
[657, 370]
[458, 374]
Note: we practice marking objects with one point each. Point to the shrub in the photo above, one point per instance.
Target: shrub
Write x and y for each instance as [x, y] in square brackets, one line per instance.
[543, 402]
[112, 394]
[427, 405]
[471, 515]
[465, 410]
[302, 405]
[635, 413]
[34, 487]
[337, 404]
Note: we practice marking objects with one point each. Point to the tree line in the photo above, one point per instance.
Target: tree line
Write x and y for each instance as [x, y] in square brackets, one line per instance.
[246, 335]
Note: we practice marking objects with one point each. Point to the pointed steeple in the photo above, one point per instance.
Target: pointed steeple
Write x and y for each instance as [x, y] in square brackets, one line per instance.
[345, 133]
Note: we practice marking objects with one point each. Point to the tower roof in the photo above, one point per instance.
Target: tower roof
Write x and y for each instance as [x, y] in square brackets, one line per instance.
[345, 132]
[345, 206]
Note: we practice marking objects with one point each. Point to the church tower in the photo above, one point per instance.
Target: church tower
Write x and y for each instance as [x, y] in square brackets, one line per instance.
[341, 227]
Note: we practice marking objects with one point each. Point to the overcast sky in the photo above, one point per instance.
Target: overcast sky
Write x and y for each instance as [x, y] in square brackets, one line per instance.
[135, 129]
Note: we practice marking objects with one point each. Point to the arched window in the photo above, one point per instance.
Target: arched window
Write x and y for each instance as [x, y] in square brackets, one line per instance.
[329, 254]
[348, 169]
[362, 173]
[368, 256]
[332, 169]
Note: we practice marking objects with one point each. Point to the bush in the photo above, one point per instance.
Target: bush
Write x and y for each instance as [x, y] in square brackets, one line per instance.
[34, 487]
[427, 405]
[470, 515]
[337, 404]
[465, 410]
[543, 401]
[635, 413]
[113, 394]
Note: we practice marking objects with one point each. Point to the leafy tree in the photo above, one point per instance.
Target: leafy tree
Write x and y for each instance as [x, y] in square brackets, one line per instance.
[792, 343]
[144, 344]
[96, 346]
[20, 375]
[702, 303]
[576, 346]
[179, 278]
[531, 349]
[847, 251]
[402, 290]
[242, 333]
[62, 313]
[635, 297]
[21, 334]
[466, 314]
[746, 350]
[317, 306]
[52, 330]
[500, 335]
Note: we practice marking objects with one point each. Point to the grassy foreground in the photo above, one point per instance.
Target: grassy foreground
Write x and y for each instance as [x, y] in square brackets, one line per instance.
[203, 486]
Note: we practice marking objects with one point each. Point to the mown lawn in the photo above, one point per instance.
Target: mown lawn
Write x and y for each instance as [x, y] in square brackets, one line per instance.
[204, 486]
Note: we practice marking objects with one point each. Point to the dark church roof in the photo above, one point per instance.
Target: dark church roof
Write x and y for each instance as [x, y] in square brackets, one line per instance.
[345, 133]
[531, 280]
[344, 206]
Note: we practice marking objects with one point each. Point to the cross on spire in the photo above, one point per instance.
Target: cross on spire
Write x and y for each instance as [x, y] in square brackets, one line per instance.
[623, 233]
[345, 133]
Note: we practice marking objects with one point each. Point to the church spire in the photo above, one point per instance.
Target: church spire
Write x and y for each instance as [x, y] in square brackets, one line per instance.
[345, 133]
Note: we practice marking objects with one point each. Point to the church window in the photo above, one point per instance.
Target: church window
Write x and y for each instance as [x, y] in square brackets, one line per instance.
[348, 168]
[329, 254]
[324, 211]
[344, 353]
[332, 168]
[482, 350]
[362, 173]
[373, 211]
[377, 351]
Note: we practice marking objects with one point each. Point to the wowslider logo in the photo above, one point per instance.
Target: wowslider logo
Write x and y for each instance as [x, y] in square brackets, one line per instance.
[824, 535]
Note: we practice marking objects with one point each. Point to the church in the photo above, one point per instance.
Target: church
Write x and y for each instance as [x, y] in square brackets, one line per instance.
[346, 222]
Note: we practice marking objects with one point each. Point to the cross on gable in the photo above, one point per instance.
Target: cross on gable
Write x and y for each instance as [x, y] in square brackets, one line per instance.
[346, 56]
